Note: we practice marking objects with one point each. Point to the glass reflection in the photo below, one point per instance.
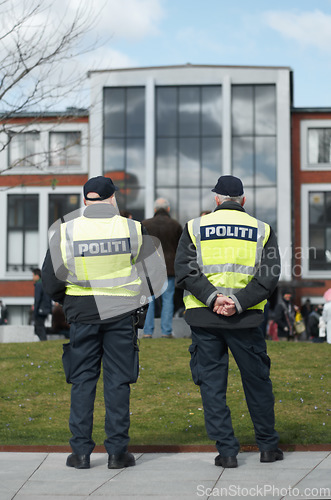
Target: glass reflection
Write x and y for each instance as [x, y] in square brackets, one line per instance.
[211, 160]
[317, 242]
[265, 160]
[319, 145]
[114, 154]
[15, 248]
[189, 206]
[189, 111]
[242, 110]
[15, 211]
[266, 206]
[328, 245]
[135, 162]
[135, 112]
[316, 208]
[250, 202]
[166, 111]
[166, 162]
[135, 203]
[211, 111]
[265, 109]
[208, 198]
[328, 210]
[31, 212]
[31, 243]
[243, 159]
[189, 162]
[114, 117]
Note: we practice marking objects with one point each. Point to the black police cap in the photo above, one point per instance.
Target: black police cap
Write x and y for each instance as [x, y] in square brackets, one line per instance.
[104, 186]
[228, 185]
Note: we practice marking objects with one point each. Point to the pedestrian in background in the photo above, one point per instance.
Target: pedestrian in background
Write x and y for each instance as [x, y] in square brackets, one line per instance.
[228, 264]
[3, 314]
[285, 316]
[42, 305]
[168, 231]
[313, 323]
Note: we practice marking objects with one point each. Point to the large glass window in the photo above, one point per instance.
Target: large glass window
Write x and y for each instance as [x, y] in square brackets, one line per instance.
[124, 145]
[320, 230]
[23, 148]
[254, 147]
[23, 234]
[61, 205]
[188, 147]
[319, 145]
[65, 149]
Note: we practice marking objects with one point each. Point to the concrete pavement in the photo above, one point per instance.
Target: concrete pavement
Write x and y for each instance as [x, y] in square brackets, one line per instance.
[165, 476]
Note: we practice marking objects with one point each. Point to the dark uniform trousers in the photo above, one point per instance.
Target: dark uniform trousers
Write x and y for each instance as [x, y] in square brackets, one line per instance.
[209, 366]
[115, 344]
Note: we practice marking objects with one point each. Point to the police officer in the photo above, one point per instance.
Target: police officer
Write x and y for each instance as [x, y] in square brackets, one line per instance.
[91, 269]
[228, 264]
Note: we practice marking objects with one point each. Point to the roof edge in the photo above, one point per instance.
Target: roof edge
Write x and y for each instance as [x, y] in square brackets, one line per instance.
[188, 65]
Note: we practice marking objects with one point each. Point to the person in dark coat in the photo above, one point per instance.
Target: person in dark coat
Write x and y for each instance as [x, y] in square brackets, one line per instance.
[3, 314]
[42, 305]
[313, 324]
[168, 231]
[285, 316]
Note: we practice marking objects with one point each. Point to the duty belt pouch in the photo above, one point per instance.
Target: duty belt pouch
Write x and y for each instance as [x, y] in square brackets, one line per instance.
[66, 361]
[140, 316]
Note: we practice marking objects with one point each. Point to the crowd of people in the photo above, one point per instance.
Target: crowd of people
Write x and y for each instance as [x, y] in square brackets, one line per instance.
[290, 322]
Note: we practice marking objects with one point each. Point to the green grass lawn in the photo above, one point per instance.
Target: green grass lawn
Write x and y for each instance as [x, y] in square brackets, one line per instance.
[165, 404]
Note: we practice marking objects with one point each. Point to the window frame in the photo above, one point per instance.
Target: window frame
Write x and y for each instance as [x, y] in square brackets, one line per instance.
[42, 165]
[25, 268]
[23, 133]
[306, 189]
[305, 125]
[180, 138]
[254, 186]
[65, 149]
[125, 178]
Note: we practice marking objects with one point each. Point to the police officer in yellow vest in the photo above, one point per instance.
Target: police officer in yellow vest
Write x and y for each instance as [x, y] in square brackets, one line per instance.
[98, 288]
[228, 264]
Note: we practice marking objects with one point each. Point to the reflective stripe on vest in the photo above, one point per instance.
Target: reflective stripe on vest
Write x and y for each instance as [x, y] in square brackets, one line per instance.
[103, 265]
[229, 266]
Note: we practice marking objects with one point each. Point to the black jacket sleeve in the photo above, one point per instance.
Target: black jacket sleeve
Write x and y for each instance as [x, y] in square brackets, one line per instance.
[53, 286]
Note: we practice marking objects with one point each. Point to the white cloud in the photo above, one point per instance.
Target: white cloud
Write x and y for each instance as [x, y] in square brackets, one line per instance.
[106, 58]
[308, 28]
[129, 19]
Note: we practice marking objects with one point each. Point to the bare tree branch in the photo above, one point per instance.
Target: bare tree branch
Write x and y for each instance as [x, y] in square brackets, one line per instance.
[36, 47]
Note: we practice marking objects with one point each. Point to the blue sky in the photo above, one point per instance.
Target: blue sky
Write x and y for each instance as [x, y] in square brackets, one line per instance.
[171, 32]
[140, 33]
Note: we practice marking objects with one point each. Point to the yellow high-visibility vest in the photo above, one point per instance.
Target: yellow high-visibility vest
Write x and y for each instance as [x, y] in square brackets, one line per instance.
[229, 246]
[100, 255]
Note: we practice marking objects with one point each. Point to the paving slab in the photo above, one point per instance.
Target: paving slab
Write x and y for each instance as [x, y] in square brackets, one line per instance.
[165, 476]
